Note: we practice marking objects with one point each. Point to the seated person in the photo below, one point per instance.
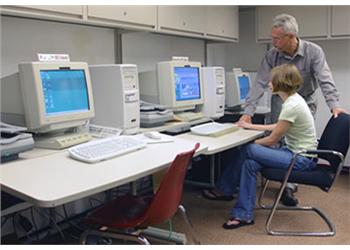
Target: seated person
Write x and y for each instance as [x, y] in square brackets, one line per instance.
[295, 123]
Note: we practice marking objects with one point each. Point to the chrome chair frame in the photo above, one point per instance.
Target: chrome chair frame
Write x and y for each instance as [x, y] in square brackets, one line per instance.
[137, 237]
[276, 207]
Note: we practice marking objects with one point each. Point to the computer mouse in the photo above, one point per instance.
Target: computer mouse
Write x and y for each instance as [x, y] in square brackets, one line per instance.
[153, 135]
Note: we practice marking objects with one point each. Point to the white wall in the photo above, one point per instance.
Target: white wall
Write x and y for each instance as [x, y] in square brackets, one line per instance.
[338, 58]
[22, 39]
[245, 54]
[146, 49]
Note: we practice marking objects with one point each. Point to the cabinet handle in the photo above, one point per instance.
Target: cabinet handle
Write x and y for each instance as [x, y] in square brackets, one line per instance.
[184, 23]
[124, 13]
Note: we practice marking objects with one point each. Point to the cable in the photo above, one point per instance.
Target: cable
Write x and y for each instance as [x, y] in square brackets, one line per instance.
[34, 224]
[54, 223]
[170, 229]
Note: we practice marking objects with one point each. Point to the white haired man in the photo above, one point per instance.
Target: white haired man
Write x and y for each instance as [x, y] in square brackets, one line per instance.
[310, 60]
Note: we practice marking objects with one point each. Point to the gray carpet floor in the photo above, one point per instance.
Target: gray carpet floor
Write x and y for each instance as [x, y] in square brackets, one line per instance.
[208, 216]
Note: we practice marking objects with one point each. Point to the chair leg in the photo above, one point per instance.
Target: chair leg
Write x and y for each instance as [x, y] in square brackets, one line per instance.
[299, 208]
[188, 222]
[115, 235]
[261, 196]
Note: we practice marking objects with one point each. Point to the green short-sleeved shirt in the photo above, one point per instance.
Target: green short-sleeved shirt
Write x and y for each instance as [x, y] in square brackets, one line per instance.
[302, 133]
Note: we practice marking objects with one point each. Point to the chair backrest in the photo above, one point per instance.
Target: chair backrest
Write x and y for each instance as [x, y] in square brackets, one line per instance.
[335, 137]
[168, 196]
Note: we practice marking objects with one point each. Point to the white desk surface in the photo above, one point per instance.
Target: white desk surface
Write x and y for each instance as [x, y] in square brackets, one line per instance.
[260, 110]
[55, 179]
[173, 125]
[166, 126]
[221, 143]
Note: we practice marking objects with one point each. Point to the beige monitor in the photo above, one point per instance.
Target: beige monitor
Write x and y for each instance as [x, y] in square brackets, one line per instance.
[180, 84]
[55, 95]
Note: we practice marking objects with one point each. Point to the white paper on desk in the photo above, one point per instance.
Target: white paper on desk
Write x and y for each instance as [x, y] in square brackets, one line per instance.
[163, 139]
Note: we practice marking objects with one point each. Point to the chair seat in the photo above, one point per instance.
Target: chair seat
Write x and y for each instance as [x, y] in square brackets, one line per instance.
[122, 212]
[321, 177]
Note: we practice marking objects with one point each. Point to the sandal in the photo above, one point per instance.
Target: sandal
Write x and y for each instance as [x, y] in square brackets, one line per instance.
[212, 194]
[240, 223]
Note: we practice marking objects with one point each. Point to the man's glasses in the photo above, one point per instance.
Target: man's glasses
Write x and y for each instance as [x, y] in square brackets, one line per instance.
[278, 38]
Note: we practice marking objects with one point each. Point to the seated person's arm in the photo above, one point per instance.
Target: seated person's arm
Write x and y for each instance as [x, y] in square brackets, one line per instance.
[278, 132]
[260, 127]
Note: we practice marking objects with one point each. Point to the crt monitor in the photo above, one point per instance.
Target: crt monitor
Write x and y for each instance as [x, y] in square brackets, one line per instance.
[237, 88]
[56, 96]
[180, 84]
[244, 85]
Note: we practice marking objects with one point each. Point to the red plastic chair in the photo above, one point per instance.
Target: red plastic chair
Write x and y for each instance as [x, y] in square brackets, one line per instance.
[132, 213]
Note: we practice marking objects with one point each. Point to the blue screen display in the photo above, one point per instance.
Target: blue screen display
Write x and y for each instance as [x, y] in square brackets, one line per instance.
[187, 83]
[243, 87]
[65, 91]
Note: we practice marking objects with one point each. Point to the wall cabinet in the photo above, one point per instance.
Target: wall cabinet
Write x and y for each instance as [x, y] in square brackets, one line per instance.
[185, 20]
[340, 21]
[218, 23]
[222, 22]
[65, 9]
[312, 20]
[211, 22]
[49, 12]
[142, 16]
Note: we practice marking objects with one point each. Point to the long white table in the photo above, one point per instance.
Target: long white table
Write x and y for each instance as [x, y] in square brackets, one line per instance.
[47, 178]
[220, 144]
[55, 179]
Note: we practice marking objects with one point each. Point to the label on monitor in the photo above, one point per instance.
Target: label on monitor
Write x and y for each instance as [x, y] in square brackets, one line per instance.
[180, 58]
[53, 57]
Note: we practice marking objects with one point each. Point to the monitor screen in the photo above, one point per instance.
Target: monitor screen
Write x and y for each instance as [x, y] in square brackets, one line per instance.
[187, 83]
[243, 86]
[65, 91]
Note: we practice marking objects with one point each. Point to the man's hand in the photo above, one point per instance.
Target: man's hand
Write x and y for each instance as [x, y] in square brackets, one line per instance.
[336, 111]
[245, 118]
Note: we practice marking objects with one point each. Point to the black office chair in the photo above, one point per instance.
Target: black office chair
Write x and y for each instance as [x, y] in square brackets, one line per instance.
[332, 147]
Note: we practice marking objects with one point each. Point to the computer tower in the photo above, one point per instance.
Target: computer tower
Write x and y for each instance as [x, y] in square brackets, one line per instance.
[214, 91]
[116, 96]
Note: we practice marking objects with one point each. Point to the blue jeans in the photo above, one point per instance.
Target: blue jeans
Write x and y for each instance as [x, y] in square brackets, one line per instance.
[228, 182]
[253, 158]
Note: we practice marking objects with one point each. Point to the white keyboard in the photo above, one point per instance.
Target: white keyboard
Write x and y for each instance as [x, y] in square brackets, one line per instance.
[188, 116]
[214, 129]
[104, 149]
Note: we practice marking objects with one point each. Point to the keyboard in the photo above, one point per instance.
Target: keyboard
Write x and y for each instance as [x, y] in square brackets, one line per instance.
[188, 116]
[214, 129]
[103, 149]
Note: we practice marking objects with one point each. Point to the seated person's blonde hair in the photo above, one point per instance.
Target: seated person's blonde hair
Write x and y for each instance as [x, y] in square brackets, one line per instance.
[286, 78]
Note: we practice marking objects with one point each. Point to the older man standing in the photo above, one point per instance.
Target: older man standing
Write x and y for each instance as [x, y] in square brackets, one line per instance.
[310, 60]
